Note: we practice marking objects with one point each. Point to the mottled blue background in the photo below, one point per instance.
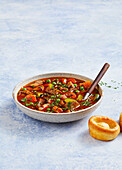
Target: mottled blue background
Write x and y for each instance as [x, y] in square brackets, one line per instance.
[76, 36]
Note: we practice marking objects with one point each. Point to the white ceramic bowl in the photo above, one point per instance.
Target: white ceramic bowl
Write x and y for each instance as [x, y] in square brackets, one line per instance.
[55, 117]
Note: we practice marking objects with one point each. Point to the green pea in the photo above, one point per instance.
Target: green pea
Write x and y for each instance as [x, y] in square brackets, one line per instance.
[58, 100]
[48, 81]
[75, 85]
[52, 96]
[77, 91]
[48, 109]
[54, 83]
[24, 89]
[81, 88]
[35, 91]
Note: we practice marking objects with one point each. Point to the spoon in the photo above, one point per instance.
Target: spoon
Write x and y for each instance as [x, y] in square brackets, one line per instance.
[96, 81]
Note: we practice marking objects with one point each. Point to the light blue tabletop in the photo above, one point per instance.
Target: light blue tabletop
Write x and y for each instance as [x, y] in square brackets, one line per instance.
[76, 36]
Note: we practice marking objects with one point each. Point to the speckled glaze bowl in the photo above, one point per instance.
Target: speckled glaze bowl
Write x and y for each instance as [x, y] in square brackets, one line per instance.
[55, 117]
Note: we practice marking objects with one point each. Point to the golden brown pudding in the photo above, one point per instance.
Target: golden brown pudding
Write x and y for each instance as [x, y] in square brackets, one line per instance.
[120, 121]
[103, 128]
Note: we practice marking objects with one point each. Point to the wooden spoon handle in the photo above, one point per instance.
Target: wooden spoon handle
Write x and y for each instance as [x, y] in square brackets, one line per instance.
[98, 78]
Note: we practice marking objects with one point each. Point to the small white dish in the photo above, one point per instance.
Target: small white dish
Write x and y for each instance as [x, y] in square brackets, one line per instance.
[55, 117]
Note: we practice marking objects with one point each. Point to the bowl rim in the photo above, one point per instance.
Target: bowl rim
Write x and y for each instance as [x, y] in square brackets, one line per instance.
[14, 93]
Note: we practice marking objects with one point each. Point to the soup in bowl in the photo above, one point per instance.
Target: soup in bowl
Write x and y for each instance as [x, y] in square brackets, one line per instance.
[57, 97]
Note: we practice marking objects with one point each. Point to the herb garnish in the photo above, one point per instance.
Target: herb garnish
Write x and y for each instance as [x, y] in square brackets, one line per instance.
[24, 99]
[111, 86]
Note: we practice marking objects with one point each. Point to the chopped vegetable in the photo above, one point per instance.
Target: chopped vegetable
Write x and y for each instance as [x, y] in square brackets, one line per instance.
[87, 84]
[81, 88]
[69, 100]
[64, 81]
[54, 83]
[48, 81]
[80, 97]
[39, 94]
[24, 99]
[33, 98]
[48, 109]
[72, 80]
[75, 85]
[77, 91]
[28, 104]
[52, 96]
[57, 109]
[58, 100]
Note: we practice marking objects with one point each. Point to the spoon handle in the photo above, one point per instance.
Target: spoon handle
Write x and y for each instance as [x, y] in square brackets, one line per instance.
[98, 78]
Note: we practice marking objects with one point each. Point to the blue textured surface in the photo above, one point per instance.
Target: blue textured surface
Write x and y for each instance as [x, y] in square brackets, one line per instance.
[49, 36]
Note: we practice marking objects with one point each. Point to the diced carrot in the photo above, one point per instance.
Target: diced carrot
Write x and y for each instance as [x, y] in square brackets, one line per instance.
[81, 84]
[72, 80]
[57, 109]
[72, 95]
[87, 84]
[32, 98]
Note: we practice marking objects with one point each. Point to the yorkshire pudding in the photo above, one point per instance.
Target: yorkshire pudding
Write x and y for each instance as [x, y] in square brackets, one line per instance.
[120, 121]
[103, 128]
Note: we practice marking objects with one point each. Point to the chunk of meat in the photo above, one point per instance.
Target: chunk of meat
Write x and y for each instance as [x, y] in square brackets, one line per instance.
[63, 88]
[45, 106]
[47, 99]
[72, 105]
[72, 95]
[52, 91]
[63, 97]
[40, 88]
[57, 109]
[37, 83]
[41, 101]
[25, 92]
[72, 89]
[70, 85]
